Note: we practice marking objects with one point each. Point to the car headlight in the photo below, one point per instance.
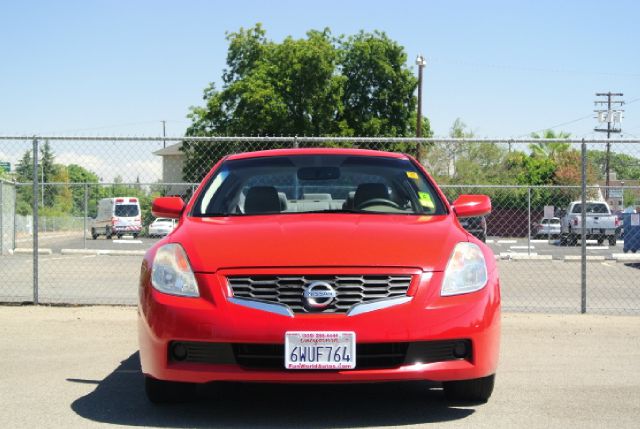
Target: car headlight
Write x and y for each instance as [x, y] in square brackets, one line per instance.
[466, 270]
[171, 272]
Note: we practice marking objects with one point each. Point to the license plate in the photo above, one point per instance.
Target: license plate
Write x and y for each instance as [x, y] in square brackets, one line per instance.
[320, 350]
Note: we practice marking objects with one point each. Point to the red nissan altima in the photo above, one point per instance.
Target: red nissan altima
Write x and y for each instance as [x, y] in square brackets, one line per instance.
[319, 265]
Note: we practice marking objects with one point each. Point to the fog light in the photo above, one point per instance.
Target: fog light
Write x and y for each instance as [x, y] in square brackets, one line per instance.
[461, 349]
[179, 352]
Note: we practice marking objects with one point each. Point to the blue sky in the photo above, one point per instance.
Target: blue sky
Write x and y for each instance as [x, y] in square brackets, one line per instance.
[505, 67]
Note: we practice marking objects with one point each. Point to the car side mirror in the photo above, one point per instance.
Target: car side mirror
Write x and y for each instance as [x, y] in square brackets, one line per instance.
[472, 206]
[169, 207]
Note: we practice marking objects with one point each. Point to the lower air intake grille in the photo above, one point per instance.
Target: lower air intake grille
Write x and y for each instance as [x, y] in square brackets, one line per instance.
[368, 355]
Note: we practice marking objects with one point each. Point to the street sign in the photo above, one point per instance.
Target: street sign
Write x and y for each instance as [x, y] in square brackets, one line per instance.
[615, 193]
[549, 211]
[6, 166]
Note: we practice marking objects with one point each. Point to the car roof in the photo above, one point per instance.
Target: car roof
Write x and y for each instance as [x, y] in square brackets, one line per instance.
[317, 151]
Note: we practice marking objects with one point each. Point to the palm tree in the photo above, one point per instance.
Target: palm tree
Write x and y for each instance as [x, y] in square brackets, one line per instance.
[550, 150]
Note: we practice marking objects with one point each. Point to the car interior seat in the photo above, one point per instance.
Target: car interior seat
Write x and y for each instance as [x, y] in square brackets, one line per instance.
[369, 191]
[262, 199]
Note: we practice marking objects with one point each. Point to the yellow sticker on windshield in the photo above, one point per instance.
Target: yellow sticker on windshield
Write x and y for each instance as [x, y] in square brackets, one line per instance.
[425, 200]
[412, 175]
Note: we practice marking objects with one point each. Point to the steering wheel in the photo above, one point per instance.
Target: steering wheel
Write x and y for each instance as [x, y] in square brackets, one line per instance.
[376, 201]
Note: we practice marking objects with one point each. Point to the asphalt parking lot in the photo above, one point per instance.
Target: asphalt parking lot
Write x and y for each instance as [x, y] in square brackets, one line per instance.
[544, 280]
[78, 367]
[505, 247]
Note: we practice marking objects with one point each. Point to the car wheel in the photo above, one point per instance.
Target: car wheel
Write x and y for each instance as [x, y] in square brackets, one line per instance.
[475, 390]
[119, 236]
[159, 391]
[135, 236]
[612, 240]
[94, 234]
[563, 240]
[108, 234]
[573, 239]
[600, 241]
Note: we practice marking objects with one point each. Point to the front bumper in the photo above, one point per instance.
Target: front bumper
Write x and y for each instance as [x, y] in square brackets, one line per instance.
[164, 319]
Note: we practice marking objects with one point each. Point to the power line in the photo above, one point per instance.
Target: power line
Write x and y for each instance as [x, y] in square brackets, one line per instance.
[582, 118]
[572, 121]
[531, 69]
[104, 127]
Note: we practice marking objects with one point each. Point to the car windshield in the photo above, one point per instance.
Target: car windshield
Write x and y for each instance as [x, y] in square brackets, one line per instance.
[317, 183]
[127, 210]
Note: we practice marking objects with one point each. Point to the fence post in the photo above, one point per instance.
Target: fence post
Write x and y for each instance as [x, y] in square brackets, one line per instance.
[35, 221]
[529, 223]
[583, 222]
[296, 145]
[86, 214]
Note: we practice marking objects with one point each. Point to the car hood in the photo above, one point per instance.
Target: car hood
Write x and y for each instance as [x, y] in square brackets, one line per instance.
[317, 240]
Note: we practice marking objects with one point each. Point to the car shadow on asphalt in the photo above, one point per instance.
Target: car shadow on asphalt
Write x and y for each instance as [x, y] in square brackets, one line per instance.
[120, 399]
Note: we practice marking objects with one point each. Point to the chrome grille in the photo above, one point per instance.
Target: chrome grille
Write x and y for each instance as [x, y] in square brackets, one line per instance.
[350, 289]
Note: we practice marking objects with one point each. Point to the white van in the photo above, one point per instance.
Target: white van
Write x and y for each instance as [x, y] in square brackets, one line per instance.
[117, 216]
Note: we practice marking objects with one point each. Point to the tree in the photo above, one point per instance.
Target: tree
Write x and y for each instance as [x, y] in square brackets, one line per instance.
[78, 174]
[550, 149]
[316, 86]
[48, 170]
[625, 166]
[443, 156]
[378, 87]
[24, 169]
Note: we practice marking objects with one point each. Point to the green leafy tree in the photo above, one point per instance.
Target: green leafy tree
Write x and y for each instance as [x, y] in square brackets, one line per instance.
[78, 174]
[378, 87]
[625, 166]
[316, 86]
[551, 149]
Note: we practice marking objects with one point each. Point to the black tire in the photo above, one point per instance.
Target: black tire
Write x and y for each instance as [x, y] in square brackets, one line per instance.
[94, 234]
[612, 240]
[108, 234]
[119, 236]
[475, 390]
[600, 240]
[162, 392]
[135, 236]
[563, 240]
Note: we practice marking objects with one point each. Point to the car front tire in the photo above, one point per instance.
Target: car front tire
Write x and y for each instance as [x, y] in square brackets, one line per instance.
[475, 390]
[162, 392]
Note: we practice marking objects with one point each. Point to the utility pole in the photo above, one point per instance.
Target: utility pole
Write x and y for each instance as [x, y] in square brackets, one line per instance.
[611, 117]
[164, 134]
[420, 62]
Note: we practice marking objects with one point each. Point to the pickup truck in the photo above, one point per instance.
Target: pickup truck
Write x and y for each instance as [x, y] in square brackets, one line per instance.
[601, 224]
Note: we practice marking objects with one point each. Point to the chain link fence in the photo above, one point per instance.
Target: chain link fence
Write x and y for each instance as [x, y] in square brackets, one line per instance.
[542, 191]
